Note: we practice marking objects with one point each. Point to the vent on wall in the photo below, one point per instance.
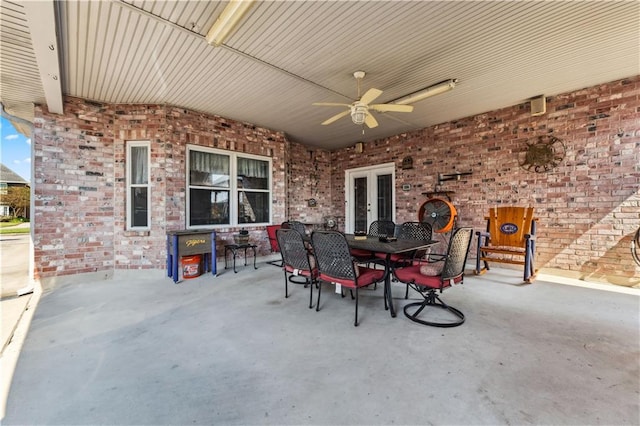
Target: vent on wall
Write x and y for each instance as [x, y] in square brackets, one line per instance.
[538, 105]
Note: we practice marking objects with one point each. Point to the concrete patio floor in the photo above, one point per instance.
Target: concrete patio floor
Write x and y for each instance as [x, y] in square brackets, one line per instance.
[231, 349]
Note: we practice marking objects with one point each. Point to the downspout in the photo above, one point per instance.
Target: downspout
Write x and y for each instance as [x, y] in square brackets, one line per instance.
[16, 120]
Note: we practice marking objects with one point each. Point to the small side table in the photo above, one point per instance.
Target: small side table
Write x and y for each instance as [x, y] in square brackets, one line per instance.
[234, 248]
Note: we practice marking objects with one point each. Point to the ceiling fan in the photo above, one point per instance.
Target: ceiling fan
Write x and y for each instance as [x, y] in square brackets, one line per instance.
[360, 110]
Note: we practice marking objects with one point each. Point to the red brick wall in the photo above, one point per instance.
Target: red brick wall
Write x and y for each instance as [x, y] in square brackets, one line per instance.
[309, 177]
[80, 189]
[588, 207]
[74, 212]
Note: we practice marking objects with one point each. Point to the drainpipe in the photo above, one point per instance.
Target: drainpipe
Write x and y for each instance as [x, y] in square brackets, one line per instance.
[16, 120]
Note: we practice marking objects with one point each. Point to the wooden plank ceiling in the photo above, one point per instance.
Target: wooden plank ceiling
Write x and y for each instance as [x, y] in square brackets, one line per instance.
[286, 55]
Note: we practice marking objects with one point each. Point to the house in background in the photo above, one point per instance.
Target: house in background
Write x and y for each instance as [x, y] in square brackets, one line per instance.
[10, 179]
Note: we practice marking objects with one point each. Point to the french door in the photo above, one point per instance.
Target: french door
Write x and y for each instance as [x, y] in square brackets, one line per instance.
[369, 196]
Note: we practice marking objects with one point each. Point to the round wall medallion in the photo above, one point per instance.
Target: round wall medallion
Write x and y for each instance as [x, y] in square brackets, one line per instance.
[542, 154]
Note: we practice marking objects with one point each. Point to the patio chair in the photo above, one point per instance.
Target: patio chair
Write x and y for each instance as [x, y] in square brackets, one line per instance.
[378, 228]
[420, 231]
[273, 243]
[412, 231]
[296, 261]
[294, 224]
[428, 278]
[382, 228]
[415, 231]
[510, 238]
[336, 265]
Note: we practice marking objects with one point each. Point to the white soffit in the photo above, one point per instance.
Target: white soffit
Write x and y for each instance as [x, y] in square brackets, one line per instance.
[285, 55]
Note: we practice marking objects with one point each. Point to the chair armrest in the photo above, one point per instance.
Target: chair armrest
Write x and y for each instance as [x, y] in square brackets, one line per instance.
[436, 257]
[423, 261]
[376, 261]
[483, 234]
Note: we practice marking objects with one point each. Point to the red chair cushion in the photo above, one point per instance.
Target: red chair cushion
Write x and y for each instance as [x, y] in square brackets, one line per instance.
[411, 274]
[367, 276]
[360, 253]
[302, 272]
[395, 257]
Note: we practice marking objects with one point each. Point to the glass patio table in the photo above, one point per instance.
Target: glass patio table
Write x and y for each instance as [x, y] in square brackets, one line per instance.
[398, 246]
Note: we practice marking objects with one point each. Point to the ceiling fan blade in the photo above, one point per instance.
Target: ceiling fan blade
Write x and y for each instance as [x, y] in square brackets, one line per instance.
[370, 121]
[330, 104]
[391, 108]
[370, 95]
[336, 117]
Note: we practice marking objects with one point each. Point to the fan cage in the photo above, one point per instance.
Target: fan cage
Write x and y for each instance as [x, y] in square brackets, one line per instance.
[439, 213]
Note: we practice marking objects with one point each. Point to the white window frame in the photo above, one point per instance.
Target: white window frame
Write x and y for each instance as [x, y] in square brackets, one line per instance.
[233, 188]
[129, 202]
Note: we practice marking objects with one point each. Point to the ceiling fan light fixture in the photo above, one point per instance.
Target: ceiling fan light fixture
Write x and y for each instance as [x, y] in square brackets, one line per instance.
[227, 21]
[358, 114]
[436, 89]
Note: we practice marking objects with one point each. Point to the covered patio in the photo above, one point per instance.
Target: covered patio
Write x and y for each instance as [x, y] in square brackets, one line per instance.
[232, 350]
[102, 86]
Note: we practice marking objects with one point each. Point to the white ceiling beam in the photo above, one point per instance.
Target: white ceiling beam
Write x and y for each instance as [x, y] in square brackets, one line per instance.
[41, 17]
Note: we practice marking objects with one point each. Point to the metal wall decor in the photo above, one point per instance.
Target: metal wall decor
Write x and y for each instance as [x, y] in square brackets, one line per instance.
[442, 177]
[330, 222]
[543, 153]
[407, 163]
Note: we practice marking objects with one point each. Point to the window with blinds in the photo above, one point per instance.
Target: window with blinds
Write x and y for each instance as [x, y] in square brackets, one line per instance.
[227, 188]
[138, 190]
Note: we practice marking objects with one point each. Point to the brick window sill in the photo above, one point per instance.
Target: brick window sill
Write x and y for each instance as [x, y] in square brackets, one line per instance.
[137, 233]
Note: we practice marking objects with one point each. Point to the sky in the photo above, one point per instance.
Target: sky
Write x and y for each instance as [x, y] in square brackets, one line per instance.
[15, 150]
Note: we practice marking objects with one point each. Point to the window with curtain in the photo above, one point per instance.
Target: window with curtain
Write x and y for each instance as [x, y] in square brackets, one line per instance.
[226, 188]
[138, 191]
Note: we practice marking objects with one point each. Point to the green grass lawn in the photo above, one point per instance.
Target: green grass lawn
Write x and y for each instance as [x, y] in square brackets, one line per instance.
[11, 228]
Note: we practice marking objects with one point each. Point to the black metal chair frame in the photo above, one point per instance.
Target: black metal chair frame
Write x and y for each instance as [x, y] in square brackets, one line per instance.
[382, 228]
[452, 272]
[420, 231]
[298, 226]
[635, 246]
[296, 261]
[378, 228]
[294, 224]
[335, 264]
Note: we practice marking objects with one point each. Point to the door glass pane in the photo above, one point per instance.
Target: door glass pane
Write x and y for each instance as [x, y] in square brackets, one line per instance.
[360, 203]
[384, 197]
